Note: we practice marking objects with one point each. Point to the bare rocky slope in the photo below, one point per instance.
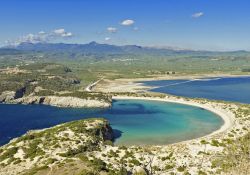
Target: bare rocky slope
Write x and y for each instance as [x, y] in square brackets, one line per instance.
[60, 101]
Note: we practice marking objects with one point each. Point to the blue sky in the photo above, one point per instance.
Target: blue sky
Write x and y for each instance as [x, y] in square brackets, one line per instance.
[194, 24]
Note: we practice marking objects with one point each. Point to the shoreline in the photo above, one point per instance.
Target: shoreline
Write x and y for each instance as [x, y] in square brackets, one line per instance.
[188, 153]
[224, 115]
[187, 77]
[138, 84]
[187, 80]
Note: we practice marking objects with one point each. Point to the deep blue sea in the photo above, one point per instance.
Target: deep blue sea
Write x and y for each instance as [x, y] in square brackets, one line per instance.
[235, 89]
[136, 122]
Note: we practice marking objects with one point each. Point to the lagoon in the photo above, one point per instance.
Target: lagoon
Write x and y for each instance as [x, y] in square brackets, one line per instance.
[235, 89]
[135, 122]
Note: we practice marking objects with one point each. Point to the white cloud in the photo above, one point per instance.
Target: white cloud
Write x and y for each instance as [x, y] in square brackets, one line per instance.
[107, 38]
[41, 33]
[41, 37]
[112, 29]
[59, 31]
[198, 14]
[62, 33]
[67, 34]
[127, 22]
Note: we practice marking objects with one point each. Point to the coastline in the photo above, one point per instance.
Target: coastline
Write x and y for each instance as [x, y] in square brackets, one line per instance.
[52, 100]
[186, 76]
[187, 153]
[137, 85]
[227, 117]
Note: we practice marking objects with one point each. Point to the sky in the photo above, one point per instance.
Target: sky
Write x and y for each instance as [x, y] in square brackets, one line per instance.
[189, 24]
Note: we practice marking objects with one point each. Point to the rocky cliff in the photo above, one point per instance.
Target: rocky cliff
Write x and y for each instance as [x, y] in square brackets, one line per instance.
[60, 101]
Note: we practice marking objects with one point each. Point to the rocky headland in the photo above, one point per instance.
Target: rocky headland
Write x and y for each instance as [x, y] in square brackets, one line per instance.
[11, 97]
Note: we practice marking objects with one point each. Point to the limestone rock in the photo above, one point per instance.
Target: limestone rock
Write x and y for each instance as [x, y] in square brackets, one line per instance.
[7, 96]
[57, 101]
[139, 170]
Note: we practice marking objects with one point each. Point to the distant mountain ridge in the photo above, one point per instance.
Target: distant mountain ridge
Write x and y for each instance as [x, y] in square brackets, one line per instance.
[99, 49]
[10, 51]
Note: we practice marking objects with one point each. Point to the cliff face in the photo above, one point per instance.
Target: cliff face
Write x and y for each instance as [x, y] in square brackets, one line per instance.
[7, 96]
[10, 97]
[63, 101]
[106, 132]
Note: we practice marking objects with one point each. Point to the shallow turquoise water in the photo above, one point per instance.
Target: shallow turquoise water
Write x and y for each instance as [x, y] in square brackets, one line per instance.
[236, 89]
[136, 122]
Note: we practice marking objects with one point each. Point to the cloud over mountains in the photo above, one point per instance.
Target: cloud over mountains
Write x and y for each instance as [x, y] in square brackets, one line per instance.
[41, 36]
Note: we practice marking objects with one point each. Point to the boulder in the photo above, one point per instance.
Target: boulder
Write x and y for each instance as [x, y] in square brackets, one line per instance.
[139, 171]
[7, 96]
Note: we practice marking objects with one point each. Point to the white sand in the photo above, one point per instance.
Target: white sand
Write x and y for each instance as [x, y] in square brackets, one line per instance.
[133, 85]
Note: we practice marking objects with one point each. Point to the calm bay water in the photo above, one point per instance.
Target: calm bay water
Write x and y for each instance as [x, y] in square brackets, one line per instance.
[134, 121]
[235, 89]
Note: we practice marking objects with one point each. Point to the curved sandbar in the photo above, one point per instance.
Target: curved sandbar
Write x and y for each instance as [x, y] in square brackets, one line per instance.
[226, 115]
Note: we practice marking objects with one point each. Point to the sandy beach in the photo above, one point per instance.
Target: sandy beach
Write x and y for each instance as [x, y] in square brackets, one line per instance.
[134, 85]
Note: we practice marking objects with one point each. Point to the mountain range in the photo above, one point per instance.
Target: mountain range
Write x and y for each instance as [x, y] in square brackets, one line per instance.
[94, 48]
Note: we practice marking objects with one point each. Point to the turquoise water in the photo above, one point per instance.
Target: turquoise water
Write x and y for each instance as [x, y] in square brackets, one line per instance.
[235, 89]
[135, 122]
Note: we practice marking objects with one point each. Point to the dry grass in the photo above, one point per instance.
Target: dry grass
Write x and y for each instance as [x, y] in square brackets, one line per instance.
[237, 157]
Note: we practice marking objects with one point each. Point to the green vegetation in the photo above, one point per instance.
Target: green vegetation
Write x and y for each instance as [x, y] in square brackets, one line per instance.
[90, 67]
[8, 154]
[88, 95]
[44, 74]
[236, 158]
[88, 136]
[181, 168]
[49, 77]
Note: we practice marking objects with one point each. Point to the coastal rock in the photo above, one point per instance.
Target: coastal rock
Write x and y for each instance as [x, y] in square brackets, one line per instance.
[139, 170]
[62, 101]
[106, 132]
[74, 102]
[29, 100]
[7, 96]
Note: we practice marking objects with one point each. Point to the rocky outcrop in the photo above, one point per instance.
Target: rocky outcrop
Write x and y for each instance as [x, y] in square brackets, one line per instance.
[40, 151]
[29, 100]
[106, 132]
[140, 170]
[7, 96]
[55, 101]
[74, 102]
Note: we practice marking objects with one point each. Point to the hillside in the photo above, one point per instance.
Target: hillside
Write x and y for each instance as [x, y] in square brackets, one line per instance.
[41, 152]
